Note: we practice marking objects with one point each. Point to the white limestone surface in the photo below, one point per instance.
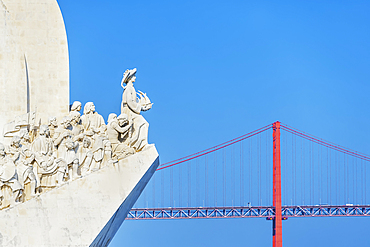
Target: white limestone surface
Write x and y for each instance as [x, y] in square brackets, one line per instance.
[34, 63]
[84, 212]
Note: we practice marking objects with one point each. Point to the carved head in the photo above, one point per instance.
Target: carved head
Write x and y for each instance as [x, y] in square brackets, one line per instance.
[44, 130]
[132, 79]
[15, 142]
[75, 117]
[70, 144]
[89, 107]
[66, 122]
[76, 106]
[53, 121]
[122, 119]
[86, 142]
[24, 135]
[112, 117]
[129, 76]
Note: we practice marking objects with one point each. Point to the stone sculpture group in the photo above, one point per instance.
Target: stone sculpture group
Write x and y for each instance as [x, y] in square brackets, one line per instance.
[41, 158]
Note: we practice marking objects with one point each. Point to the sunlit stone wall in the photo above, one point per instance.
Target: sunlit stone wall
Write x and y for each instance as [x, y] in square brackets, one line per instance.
[34, 63]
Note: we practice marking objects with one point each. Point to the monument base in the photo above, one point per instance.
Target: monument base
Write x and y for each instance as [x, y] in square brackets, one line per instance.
[85, 212]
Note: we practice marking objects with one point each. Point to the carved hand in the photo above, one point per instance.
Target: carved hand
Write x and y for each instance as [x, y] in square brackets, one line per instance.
[44, 165]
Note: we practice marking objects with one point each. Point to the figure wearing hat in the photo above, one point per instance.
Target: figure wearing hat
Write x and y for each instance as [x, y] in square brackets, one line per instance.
[132, 105]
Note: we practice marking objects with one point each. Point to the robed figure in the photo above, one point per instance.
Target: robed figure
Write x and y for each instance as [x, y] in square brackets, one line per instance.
[132, 105]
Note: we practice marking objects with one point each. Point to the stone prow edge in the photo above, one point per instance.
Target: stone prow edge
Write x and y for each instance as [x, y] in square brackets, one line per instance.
[109, 230]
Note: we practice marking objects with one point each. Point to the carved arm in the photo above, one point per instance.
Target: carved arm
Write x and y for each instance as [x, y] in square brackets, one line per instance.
[60, 138]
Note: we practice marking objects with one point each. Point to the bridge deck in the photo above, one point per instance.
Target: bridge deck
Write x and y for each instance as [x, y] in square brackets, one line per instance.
[246, 212]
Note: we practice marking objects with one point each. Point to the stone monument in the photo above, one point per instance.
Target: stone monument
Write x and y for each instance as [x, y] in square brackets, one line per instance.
[66, 177]
[34, 65]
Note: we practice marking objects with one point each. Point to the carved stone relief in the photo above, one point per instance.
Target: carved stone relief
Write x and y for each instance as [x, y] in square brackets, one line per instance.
[42, 156]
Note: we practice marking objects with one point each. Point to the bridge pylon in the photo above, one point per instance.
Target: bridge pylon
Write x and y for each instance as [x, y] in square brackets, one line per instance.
[277, 228]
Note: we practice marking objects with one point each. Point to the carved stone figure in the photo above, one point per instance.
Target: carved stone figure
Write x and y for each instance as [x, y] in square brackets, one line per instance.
[46, 167]
[25, 138]
[66, 149]
[91, 120]
[98, 149]
[45, 156]
[77, 128]
[94, 127]
[53, 125]
[85, 156]
[118, 133]
[107, 145]
[132, 107]
[23, 159]
[8, 177]
[76, 106]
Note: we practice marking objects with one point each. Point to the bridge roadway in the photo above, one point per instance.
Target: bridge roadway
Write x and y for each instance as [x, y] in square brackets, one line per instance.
[247, 212]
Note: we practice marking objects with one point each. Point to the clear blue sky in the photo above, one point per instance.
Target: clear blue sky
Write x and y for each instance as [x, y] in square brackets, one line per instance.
[218, 69]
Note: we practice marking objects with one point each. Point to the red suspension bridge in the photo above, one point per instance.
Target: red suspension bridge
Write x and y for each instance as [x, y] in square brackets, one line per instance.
[274, 172]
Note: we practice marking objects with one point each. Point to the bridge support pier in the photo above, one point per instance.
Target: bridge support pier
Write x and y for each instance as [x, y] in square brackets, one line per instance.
[277, 228]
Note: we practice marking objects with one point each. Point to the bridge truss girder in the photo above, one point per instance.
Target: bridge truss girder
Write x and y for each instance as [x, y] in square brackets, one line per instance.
[246, 212]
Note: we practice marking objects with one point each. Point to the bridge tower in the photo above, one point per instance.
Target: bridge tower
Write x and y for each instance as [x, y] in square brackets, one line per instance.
[277, 239]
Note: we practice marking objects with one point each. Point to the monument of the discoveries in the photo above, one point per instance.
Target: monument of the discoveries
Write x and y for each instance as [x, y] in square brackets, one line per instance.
[67, 177]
